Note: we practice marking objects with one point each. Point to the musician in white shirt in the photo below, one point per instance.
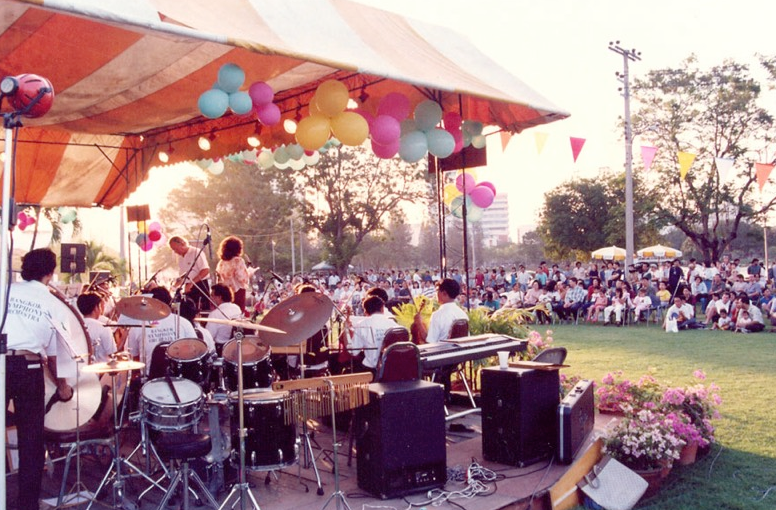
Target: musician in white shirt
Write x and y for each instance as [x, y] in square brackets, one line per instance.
[442, 319]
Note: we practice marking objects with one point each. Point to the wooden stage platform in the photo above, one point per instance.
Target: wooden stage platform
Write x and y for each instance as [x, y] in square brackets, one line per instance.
[511, 488]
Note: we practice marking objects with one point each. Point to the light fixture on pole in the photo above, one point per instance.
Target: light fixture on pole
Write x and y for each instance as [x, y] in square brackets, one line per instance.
[627, 55]
[273, 254]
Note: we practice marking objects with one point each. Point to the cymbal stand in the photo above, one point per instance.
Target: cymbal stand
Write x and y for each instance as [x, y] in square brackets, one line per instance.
[338, 496]
[309, 456]
[241, 488]
[120, 500]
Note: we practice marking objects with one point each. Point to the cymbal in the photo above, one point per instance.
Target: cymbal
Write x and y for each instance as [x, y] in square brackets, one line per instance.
[110, 367]
[241, 324]
[143, 308]
[300, 316]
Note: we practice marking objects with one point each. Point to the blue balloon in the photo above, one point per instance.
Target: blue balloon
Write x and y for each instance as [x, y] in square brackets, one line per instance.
[440, 143]
[413, 146]
[240, 103]
[213, 103]
[230, 78]
[427, 115]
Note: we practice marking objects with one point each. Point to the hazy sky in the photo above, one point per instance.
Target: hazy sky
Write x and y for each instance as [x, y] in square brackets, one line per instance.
[559, 47]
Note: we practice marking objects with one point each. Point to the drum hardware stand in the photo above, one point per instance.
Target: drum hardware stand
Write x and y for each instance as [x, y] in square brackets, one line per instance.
[119, 497]
[241, 488]
[338, 496]
[309, 456]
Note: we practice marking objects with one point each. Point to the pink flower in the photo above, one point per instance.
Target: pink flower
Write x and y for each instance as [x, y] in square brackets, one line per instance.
[699, 374]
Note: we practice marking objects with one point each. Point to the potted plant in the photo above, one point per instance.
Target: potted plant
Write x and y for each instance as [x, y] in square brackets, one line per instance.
[617, 395]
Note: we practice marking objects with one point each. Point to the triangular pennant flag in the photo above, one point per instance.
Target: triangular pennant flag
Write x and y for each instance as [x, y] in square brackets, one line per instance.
[506, 136]
[576, 146]
[685, 162]
[763, 170]
[647, 155]
[723, 167]
[540, 139]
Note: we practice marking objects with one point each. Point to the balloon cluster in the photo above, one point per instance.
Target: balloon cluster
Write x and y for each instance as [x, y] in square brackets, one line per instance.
[291, 156]
[328, 115]
[226, 94]
[24, 221]
[148, 234]
[67, 214]
[476, 196]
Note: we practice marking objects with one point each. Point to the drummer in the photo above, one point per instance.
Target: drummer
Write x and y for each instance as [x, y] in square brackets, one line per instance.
[91, 306]
[225, 309]
[189, 312]
[164, 331]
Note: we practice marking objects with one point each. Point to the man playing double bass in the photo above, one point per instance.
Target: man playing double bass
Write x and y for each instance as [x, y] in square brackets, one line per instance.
[194, 276]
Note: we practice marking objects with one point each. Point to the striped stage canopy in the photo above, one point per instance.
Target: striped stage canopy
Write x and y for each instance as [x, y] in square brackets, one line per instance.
[127, 75]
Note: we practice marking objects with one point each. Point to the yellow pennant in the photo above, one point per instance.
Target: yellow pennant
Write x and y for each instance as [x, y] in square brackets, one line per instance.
[540, 139]
[686, 160]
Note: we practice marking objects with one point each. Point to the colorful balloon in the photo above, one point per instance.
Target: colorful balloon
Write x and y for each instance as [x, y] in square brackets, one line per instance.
[261, 93]
[440, 143]
[450, 192]
[482, 196]
[465, 182]
[154, 235]
[488, 184]
[217, 168]
[473, 213]
[386, 151]
[396, 105]
[230, 78]
[240, 102]
[213, 103]
[452, 121]
[313, 131]
[331, 97]
[385, 129]
[427, 115]
[281, 155]
[479, 141]
[413, 146]
[268, 114]
[350, 128]
[266, 159]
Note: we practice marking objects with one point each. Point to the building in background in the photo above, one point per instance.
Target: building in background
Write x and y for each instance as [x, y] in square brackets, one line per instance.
[495, 221]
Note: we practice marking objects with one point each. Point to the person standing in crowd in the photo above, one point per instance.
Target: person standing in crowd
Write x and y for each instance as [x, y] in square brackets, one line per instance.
[675, 276]
[32, 314]
[194, 271]
[225, 309]
[90, 304]
[231, 269]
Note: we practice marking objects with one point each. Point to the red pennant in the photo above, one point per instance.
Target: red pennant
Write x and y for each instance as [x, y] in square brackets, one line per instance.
[762, 170]
[506, 136]
[576, 147]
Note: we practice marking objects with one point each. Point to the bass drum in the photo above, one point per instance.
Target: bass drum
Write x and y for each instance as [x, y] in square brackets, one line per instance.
[61, 416]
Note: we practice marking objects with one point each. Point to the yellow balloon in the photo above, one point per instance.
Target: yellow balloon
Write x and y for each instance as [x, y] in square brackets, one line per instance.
[350, 128]
[313, 106]
[142, 227]
[450, 193]
[312, 132]
[331, 97]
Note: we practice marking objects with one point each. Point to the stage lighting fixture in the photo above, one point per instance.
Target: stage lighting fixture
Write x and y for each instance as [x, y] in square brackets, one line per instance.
[203, 143]
[29, 94]
[254, 141]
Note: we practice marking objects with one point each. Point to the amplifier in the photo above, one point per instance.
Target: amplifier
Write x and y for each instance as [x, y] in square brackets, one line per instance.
[400, 439]
[518, 414]
[576, 417]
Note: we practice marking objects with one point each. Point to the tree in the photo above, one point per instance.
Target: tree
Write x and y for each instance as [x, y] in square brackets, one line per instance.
[712, 114]
[350, 193]
[582, 215]
[245, 200]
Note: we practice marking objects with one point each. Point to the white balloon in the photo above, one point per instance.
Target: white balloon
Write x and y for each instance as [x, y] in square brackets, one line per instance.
[217, 168]
[312, 159]
[282, 166]
[296, 164]
[266, 159]
[249, 156]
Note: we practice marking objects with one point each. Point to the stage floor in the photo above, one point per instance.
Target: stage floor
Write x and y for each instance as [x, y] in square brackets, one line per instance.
[513, 487]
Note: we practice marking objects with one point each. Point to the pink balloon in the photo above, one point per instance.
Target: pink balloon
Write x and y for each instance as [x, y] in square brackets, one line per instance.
[155, 225]
[488, 185]
[386, 151]
[396, 105]
[470, 183]
[482, 196]
[268, 114]
[385, 129]
[452, 120]
[154, 235]
[261, 93]
[458, 136]
[147, 246]
[368, 116]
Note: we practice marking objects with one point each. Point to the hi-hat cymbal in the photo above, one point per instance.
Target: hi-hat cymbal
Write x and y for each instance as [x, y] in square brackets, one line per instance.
[300, 316]
[114, 366]
[143, 308]
[241, 324]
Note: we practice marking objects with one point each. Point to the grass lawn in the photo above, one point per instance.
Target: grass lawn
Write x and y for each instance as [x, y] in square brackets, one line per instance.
[740, 471]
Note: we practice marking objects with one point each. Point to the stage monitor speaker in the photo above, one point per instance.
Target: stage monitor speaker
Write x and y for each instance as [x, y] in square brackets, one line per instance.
[138, 213]
[400, 439]
[72, 258]
[519, 409]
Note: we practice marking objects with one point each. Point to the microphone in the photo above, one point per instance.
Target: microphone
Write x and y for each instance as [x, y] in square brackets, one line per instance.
[209, 242]
[276, 276]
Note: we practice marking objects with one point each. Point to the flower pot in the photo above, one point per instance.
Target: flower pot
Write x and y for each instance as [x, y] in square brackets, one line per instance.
[689, 454]
[654, 478]
[613, 411]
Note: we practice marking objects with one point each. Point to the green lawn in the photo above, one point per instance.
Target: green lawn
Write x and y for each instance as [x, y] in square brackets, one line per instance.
[741, 467]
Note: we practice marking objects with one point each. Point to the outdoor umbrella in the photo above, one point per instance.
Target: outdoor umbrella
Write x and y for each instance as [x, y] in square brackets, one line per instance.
[659, 251]
[609, 253]
[323, 266]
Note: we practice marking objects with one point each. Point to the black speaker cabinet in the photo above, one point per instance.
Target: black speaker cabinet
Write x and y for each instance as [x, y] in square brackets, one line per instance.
[400, 439]
[519, 409]
[72, 258]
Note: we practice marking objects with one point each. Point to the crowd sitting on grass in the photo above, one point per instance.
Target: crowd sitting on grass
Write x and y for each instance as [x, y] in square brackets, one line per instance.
[725, 295]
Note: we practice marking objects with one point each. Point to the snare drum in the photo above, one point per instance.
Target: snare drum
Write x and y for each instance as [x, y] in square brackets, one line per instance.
[270, 441]
[256, 364]
[189, 358]
[160, 409]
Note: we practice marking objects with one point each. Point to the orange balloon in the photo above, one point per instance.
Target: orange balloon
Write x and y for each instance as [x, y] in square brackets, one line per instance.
[331, 97]
[350, 128]
[312, 132]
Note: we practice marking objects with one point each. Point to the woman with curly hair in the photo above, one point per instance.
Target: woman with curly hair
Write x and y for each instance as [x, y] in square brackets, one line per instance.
[231, 269]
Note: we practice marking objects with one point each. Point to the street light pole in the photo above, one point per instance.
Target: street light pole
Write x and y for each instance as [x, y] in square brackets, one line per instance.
[273, 254]
[627, 55]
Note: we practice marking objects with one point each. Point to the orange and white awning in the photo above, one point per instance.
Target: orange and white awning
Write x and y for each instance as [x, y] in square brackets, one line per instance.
[127, 76]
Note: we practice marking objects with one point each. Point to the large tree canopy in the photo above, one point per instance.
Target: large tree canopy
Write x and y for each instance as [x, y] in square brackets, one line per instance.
[350, 194]
[712, 114]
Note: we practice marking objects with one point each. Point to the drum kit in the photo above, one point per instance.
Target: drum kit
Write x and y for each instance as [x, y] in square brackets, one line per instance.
[262, 422]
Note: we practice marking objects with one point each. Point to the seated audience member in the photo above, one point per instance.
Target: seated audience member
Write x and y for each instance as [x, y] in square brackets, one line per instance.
[642, 304]
[723, 322]
[750, 319]
[753, 288]
[699, 292]
[682, 312]
[600, 302]
[619, 302]
[663, 294]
